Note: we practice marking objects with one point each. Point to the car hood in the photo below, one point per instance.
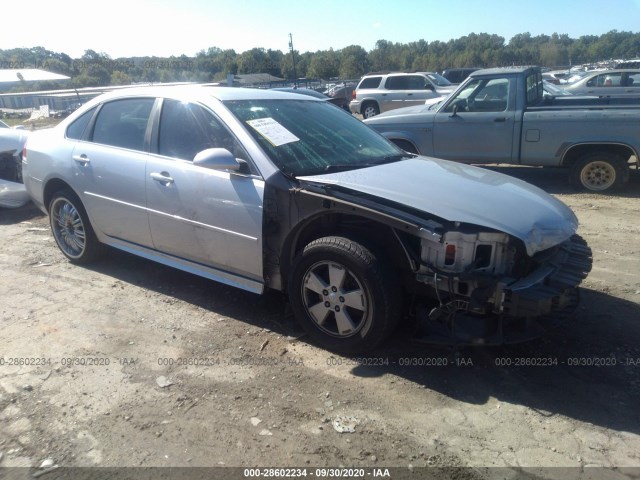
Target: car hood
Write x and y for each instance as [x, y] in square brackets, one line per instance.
[417, 113]
[461, 193]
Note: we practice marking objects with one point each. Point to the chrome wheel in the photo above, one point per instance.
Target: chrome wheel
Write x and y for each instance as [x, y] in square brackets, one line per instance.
[335, 299]
[598, 175]
[68, 228]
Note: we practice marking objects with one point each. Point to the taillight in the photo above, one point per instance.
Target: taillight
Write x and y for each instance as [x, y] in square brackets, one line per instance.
[353, 94]
[450, 254]
[24, 153]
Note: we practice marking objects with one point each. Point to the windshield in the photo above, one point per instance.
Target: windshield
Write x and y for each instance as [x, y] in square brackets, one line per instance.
[305, 137]
[439, 80]
[3, 125]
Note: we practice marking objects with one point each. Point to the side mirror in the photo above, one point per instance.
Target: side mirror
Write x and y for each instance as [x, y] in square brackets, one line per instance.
[454, 111]
[428, 86]
[216, 159]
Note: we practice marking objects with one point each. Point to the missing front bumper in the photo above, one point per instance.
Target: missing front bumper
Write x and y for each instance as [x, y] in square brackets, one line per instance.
[525, 309]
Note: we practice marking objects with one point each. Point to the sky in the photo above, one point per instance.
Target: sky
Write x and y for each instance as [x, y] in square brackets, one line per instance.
[127, 28]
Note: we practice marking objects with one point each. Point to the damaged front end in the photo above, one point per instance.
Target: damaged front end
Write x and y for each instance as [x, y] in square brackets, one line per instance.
[489, 291]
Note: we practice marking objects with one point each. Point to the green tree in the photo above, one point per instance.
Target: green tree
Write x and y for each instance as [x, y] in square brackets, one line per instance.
[353, 62]
[120, 78]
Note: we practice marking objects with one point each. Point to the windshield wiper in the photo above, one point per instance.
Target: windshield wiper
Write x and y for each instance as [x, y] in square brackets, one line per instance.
[340, 167]
[344, 167]
[396, 158]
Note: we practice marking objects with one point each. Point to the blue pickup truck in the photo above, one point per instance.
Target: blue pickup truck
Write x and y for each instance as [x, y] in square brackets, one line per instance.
[502, 115]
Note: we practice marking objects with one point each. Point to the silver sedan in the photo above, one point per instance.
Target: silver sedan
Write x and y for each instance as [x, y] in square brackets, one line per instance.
[262, 189]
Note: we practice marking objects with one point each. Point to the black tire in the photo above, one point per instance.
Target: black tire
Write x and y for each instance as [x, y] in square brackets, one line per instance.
[599, 171]
[406, 146]
[370, 109]
[343, 295]
[71, 228]
[18, 171]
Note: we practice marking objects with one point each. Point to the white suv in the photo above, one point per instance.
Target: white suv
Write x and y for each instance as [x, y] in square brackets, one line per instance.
[378, 93]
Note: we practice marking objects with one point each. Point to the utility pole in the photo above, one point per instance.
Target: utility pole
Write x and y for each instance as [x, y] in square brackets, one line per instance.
[293, 60]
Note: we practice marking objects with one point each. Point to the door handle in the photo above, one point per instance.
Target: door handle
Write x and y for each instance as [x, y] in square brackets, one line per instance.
[163, 178]
[81, 159]
[502, 119]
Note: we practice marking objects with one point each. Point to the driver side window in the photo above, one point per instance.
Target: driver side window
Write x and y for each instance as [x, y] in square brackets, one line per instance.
[482, 95]
[186, 129]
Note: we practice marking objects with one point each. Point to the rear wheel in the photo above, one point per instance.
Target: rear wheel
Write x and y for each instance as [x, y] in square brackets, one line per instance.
[600, 172]
[344, 295]
[71, 228]
[370, 109]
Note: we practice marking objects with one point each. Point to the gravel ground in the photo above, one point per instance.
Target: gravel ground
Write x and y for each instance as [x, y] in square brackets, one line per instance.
[129, 363]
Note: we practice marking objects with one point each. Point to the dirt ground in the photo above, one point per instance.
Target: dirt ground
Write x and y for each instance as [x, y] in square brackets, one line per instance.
[129, 363]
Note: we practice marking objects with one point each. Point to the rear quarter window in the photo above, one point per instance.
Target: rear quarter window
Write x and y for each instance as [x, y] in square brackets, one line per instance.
[370, 82]
[76, 130]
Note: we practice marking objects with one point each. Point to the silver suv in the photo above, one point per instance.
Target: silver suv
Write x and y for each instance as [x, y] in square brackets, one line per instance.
[378, 93]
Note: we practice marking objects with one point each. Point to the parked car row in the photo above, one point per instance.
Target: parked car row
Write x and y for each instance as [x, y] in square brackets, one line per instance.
[504, 115]
[377, 93]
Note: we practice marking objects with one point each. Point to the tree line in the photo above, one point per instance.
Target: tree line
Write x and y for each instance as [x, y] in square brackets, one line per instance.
[215, 64]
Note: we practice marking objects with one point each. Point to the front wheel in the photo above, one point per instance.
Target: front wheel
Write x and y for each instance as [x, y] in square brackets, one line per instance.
[71, 228]
[600, 172]
[343, 295]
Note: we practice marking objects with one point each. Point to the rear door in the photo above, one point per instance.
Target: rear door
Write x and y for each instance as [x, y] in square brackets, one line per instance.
[477, 125]
[406, 91]
[109, 169]
[211, 217]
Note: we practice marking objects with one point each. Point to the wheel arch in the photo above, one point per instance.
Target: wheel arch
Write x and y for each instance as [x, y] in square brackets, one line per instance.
[52, 186]
[403, 141]
[576, 151]
[374, 234]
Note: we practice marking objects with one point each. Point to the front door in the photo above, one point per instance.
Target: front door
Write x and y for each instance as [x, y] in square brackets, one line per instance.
[211, 217]
[477, 125]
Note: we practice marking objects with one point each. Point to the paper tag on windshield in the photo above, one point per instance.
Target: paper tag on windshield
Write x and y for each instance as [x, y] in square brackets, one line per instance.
[275, 133]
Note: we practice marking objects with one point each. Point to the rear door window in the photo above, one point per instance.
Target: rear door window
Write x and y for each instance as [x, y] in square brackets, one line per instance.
[123, 123]
[606, 80]
[406, 82]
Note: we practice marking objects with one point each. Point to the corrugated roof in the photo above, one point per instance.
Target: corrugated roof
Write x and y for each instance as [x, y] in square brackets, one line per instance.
[28, 75]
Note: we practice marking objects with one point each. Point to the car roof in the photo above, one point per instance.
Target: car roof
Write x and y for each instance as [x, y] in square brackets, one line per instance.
[203, 91]
[617, 70]
[503, 71]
